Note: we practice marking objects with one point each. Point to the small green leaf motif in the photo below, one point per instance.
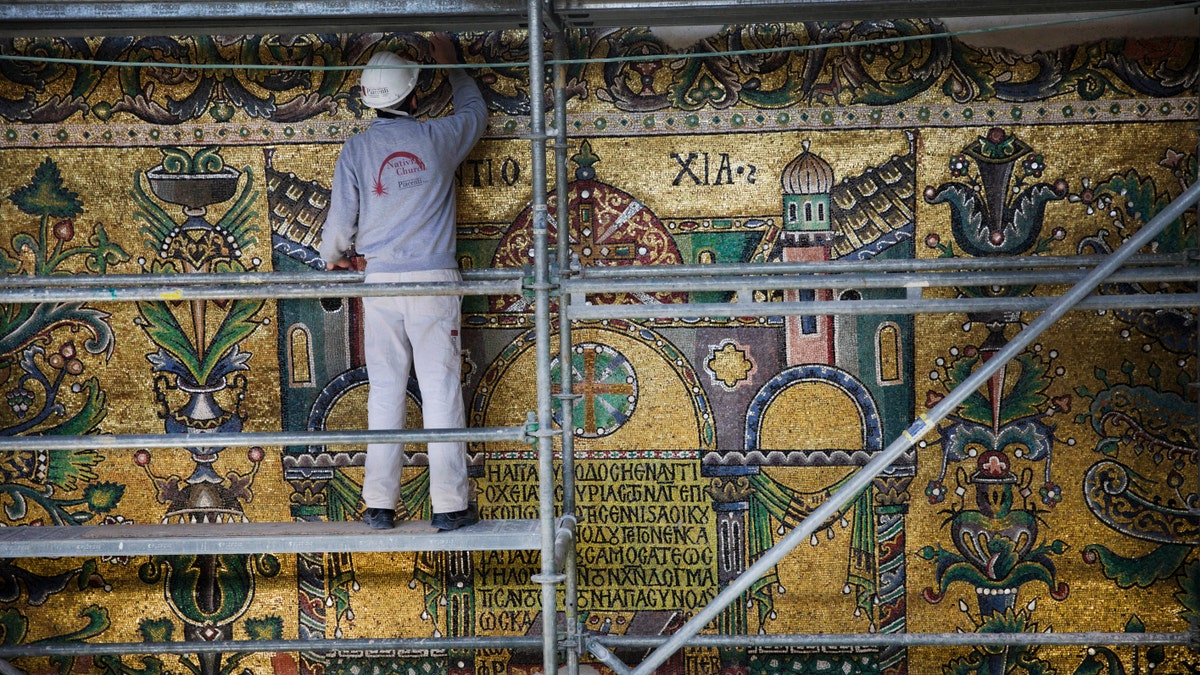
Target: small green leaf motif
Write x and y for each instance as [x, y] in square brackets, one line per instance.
[104, 496]
[266, 628]
[156, 630]
[46, 196]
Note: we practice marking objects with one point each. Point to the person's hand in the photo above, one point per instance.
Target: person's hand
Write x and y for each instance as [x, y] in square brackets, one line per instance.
[441, 48]
[352, 261]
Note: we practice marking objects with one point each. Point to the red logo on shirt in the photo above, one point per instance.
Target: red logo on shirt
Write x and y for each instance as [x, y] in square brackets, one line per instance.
[402, 165]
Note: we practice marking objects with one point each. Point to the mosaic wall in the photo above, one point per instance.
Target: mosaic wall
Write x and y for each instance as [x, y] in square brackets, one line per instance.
[1054, 499]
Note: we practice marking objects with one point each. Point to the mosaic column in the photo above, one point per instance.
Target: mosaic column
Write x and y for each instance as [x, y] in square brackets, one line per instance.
[460, 608]
[730, 490]
[891, 510]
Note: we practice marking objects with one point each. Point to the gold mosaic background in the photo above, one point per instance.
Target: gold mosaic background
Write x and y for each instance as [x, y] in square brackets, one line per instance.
[709, 437]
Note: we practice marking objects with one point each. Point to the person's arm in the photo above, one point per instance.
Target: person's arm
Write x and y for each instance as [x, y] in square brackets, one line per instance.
[341, 220]
[470, 110]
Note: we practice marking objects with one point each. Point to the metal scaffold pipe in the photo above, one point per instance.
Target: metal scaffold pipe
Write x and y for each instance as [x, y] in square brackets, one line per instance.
[923, 425]
[877, 265]
[861, 307]
[68, 649]
[92, 288]
[280, 291]
[189, 279]
[862, 280]
[898, 640]
[760, 276]
[211, 278]
[299, 290]
[269, 438]
[567, 562]
[548, 577]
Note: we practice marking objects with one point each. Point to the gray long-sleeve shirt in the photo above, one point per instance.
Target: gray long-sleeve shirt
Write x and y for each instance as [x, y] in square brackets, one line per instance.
[394, 188]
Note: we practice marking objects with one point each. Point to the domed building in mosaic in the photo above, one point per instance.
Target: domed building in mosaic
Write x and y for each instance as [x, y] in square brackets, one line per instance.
[807, 182]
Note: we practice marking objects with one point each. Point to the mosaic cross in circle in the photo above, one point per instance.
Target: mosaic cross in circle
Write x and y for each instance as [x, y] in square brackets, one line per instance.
[606, 385]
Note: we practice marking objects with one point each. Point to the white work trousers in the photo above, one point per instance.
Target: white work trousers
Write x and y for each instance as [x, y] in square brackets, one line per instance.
[401, 332]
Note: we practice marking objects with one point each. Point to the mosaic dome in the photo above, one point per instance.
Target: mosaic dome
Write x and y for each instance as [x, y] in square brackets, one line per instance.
[807, 174]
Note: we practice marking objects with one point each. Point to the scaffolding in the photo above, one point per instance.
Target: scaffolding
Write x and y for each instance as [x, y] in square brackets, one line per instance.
[554, 537]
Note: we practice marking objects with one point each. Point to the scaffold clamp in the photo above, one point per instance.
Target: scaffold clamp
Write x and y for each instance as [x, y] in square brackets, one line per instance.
[555, 578]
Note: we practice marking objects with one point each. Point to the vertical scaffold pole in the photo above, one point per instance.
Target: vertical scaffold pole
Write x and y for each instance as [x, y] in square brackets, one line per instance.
[548, 578]
[923, 425]
[566, 396]
[1194, 258]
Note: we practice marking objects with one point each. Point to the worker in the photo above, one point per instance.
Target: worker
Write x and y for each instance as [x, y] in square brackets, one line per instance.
[393, 203]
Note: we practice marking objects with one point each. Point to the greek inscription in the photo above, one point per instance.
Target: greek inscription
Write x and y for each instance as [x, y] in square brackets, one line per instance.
[646, 537]
[710, 169]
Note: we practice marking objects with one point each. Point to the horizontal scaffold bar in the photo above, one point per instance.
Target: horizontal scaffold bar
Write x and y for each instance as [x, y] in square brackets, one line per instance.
[897, 306]
[880, 265]
[189, 279]
[585, 284]
[210, 278]
[899, 639]
[166, 290]
[106, 281]
[345, 645]
[92, 288]
[248, 439]
[245, 538]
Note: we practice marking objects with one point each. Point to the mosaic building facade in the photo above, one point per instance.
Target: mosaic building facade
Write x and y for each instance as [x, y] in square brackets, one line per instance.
[1056, 498]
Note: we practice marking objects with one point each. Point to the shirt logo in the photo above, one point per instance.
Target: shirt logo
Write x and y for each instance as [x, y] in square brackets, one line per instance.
[402, 169]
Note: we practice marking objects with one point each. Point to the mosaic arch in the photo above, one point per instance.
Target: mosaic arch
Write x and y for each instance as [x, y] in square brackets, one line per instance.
[806, 399]
[611, 359]
[342, 402]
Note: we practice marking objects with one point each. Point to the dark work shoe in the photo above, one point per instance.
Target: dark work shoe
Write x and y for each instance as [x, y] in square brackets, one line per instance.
[379, 519]
[455, 519]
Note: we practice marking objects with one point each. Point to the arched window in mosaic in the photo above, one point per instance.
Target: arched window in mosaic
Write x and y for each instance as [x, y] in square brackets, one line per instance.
[300, 358]
[887, 359]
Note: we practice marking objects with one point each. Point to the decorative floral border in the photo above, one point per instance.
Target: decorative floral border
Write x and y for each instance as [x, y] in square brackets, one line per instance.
[624, 124]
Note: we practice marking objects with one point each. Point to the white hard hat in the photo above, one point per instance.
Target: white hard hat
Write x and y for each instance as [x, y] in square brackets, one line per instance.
[383, 87]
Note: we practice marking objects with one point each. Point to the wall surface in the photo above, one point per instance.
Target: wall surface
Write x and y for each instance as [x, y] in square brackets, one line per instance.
[1055, 499]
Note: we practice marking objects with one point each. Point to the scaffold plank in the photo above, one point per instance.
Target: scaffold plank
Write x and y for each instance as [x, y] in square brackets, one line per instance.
[246, 538]
[63, 18]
